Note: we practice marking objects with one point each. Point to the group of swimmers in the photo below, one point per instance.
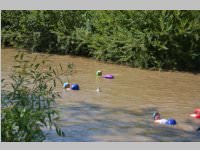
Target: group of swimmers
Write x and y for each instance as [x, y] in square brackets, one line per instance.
[69, 86]
[156, 115]
[157, 118]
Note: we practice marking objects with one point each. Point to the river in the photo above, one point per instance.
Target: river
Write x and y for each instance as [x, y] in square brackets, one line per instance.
[122, 111]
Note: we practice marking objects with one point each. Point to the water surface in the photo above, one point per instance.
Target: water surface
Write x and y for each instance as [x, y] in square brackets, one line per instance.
[123, 110]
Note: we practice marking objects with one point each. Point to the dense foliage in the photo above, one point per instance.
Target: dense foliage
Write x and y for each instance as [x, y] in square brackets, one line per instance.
[28, 100]
[145, 39]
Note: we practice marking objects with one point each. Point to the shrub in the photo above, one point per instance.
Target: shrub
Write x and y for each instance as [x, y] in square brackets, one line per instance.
[28, 102]
[147, 39]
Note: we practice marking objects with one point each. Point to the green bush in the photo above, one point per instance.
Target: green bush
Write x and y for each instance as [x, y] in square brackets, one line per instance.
[147, 39]
[28, 101]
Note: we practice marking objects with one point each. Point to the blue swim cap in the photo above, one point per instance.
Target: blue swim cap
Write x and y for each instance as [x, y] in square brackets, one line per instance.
[171, 122]
[75, 87]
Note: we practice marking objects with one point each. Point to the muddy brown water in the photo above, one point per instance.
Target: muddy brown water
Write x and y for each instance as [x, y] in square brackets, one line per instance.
[122, 111]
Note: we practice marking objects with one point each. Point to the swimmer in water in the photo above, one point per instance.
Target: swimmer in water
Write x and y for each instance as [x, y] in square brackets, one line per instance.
[157, 118]
[98, 76]
[196, 115]
[67, 86]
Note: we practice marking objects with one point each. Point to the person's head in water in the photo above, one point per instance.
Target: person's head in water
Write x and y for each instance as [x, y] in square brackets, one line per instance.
[66, 85]
[156, 116]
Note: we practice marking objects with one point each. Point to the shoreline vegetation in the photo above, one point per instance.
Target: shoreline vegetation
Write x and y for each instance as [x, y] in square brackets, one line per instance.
[153, 40]
[28, 100]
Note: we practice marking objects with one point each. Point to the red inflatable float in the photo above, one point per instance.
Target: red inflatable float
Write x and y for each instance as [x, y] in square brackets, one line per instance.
[196, 113]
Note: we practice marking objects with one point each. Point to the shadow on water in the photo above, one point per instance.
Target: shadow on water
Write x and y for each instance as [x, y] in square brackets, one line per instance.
[86, 122]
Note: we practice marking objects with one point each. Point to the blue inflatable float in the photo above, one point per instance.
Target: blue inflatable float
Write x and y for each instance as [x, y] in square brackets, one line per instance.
[75, 87]
[171, 122]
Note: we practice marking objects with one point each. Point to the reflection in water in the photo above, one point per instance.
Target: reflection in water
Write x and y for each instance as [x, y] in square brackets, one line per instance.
[122, 111]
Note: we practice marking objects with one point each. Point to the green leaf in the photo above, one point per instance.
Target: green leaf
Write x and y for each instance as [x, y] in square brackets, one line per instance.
[62, 134]
[54, 72]
[16, 56]
[61, 67]
[36, 66]
[26, 61]
[54, 83]
[17, 66]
